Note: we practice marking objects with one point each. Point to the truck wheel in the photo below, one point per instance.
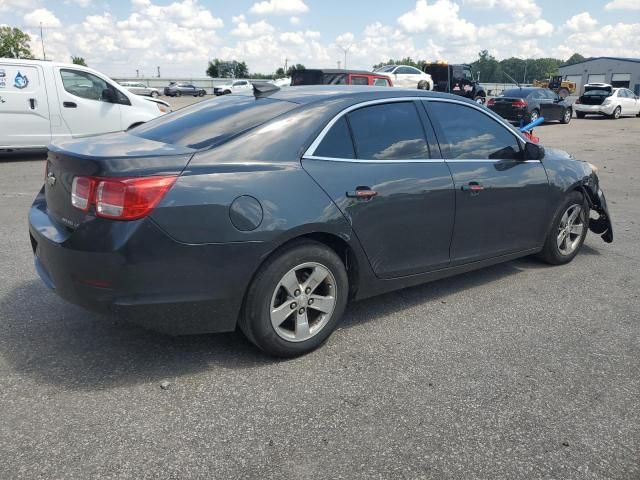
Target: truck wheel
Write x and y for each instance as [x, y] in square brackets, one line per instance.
[581, 114]
[480, 100]
[295, 300]
[563, 92]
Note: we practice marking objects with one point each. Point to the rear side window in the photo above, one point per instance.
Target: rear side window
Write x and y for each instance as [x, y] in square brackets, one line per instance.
[390, 131]
[359, 81]
[212, 122]
[337, 142]
[471, 134]
[381, 82]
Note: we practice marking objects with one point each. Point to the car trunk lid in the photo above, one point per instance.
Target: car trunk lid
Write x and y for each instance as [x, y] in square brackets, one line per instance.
[595, 94]
[114, 155]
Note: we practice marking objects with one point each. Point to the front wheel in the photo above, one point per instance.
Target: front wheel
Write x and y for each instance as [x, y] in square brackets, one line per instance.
[616, 113]
[296, 300]
[178, 93]
[567, 232]
[566, 117]
[480, 100]
[201, 93]
[155, 94]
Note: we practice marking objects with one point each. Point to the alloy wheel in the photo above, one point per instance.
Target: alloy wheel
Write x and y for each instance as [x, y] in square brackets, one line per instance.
[303, 302]
[533, 116]
[571, 229]
[567, 116]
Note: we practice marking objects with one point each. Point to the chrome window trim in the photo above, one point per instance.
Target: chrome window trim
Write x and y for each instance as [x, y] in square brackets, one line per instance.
[309, 153]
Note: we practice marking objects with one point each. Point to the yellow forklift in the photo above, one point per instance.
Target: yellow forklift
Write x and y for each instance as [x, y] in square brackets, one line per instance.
[561, 86]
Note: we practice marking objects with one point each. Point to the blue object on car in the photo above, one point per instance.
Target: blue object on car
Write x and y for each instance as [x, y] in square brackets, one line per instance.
[532, 125]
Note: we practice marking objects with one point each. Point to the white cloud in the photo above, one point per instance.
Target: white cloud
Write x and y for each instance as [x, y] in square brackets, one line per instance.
[440, 18]
[581, 22]
[518, 8]
[294, 20]
[41, 16]
[623, 5]
[620, 39]
[243, 29]
[18, 5]
[279, 7]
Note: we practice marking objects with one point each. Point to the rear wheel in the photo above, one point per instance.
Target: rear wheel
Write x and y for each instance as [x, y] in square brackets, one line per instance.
[616, 113]
[178, 93]
[202, 92]
[581, 114]
[423, 85]
[479, 100]
[566, 116]
[567, 232]
[296, 300]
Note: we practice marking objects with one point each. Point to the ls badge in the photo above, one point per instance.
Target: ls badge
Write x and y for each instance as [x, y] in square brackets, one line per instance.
[21, 81]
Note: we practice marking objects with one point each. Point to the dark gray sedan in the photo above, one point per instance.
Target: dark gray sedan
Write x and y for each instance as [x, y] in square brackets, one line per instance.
[179, 89]
[527, 104]
[270, 212]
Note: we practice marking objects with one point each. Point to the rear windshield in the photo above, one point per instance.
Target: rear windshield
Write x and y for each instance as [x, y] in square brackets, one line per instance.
[516, 93]
[212, 122]
[597, 93]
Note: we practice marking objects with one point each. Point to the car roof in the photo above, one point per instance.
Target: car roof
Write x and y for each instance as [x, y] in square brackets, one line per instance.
[526, 89]
[306, 94]
[333, 71]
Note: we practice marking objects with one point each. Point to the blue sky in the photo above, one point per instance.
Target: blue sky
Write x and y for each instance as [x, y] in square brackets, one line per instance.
[120, 36]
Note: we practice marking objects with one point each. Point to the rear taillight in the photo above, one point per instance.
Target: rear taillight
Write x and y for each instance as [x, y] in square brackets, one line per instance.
[128, 198]
[519, 103]
[491, 102]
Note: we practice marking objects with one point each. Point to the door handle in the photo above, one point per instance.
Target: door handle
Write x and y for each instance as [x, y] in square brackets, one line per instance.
[473, 187]
[32, 103]
[69, 104]
[363, 193]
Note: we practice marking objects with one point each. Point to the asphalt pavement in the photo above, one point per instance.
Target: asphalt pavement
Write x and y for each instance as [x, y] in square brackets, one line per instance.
[517, 371]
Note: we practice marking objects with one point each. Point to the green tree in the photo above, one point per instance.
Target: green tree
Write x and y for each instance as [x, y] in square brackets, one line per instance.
[293, 68]
[14, 43]
[214, 67]
[78, 61]
[280, 72]
[575, 58]
[402, 61]
[488, 67]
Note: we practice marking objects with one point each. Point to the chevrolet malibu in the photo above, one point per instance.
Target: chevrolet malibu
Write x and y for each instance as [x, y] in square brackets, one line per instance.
[270, 212]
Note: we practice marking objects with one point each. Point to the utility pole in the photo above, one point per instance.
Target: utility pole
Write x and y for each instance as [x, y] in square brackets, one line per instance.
[137, 73]
[286, 61]
[345, 54]
[44, 55]
[158, 71]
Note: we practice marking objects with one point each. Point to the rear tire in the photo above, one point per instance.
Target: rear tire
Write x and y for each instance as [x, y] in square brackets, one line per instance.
[286, 312]
[568, 231]
[581, 114]
[480, 100]
[566, 116]
[178, 93]
[616, 113]
[423, 85]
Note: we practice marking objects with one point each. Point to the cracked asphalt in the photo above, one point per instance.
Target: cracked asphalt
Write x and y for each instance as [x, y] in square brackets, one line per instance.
[517, 371]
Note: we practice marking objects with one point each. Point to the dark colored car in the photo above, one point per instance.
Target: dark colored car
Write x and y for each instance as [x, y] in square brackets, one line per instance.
[179, 89]
[526, 104]
[456, 79]
[339, 77]
[271, 212]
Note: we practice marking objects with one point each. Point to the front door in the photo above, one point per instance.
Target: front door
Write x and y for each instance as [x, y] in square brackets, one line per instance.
[23, 106]
[398, 199]
[85, 111]
[500, 198]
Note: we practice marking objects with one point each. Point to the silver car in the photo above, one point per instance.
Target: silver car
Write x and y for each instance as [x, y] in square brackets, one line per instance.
[141, 89]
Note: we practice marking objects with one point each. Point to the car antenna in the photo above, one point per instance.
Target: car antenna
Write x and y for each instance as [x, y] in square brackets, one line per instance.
[512, 79]
[263, 89]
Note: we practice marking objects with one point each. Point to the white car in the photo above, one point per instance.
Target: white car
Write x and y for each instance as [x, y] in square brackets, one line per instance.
[405, 76]
[237, 86]
[603, 99]
[141, 89]
[41, 102]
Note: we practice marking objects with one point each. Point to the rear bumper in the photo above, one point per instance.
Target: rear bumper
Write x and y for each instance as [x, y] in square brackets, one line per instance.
[136, 271]
[595, 109]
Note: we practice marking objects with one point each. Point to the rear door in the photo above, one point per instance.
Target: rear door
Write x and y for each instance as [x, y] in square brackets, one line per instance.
[501, 200]
[85, 111]
[24, 107]
[398, 197]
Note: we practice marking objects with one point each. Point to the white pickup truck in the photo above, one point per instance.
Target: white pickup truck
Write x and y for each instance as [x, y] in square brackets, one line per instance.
[45, 101]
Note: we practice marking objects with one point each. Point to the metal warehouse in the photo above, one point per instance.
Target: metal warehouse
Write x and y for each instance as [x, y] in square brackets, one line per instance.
[619, 72]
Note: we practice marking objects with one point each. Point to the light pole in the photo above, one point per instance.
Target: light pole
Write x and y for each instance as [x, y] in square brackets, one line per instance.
[345, 50]
[44, 55]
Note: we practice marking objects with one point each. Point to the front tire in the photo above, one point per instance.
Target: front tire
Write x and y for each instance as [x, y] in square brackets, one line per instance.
[616, 113]
[178, 93]
[566, 116]
[295, 300]
[480, 100]
[155, 94]
[568, 231]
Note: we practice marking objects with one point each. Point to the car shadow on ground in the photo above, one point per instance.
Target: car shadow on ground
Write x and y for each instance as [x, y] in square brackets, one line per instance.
[51, 341]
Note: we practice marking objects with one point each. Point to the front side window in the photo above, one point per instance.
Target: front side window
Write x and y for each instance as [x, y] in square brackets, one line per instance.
[83, 84]
[389, 131]
[337, 142]
[381, 82]
[471, 134]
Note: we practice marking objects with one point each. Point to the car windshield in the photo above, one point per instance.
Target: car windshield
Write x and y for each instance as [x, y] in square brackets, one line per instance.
[516, 93]
[212, 122]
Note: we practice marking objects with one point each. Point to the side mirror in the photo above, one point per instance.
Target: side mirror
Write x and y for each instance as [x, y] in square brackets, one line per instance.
[108, 95]
[533, 151]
